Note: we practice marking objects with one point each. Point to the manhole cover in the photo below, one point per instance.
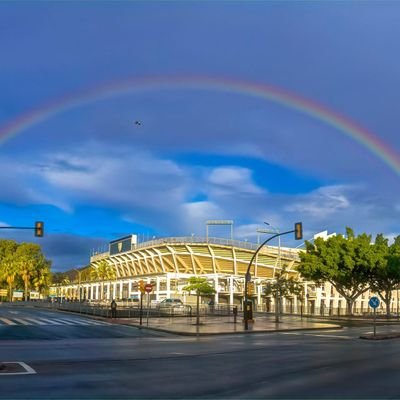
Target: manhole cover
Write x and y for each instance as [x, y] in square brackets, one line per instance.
[15, 368]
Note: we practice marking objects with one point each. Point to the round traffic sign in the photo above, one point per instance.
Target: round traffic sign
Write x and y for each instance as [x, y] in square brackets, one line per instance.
[373, 302]
[148, 287]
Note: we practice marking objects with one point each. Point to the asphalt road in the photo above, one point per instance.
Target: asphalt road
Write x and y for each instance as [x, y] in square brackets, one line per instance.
[125, 362]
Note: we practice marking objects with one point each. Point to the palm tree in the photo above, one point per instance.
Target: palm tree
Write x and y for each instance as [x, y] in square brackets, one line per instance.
[42, 280]
[9, 272]
[8, 265]
[103, 271]
[30, 259]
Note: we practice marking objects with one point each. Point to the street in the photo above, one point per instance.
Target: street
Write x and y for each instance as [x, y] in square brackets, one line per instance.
[126, 362]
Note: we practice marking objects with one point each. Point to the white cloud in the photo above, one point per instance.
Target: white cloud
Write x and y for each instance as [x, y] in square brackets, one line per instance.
[322, 202]
[124, 180]
[226, 180]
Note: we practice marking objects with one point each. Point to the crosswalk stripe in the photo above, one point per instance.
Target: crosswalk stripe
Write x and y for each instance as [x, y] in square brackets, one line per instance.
[64, 321]
[35, 321]
[49, 321]
[7, 321]
[90, 322]
[21, 321]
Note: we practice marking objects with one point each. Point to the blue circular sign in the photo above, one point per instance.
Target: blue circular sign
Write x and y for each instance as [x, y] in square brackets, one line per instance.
[373, 302]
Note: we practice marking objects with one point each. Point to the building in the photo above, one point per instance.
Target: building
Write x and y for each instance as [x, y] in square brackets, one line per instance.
[168, 263]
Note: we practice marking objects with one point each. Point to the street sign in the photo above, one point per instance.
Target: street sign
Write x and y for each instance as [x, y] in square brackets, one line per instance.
[373, 302]
[148, 287]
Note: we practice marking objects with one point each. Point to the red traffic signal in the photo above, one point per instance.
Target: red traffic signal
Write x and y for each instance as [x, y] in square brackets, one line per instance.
[298, 230]
[39, 228]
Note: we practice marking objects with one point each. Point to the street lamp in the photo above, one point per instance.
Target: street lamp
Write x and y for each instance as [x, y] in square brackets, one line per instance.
[277, 299]
[248, 275]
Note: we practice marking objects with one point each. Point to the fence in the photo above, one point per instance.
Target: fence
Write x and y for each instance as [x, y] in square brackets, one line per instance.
[219, 310]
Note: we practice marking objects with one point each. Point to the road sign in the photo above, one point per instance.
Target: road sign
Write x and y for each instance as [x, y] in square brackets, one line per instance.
[373, 302]
[148, 287]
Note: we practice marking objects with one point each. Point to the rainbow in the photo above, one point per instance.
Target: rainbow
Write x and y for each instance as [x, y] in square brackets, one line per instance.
[267, 92]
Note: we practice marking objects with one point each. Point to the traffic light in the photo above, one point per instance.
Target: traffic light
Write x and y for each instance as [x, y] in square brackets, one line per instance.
[298, 230]
[141, 287]
[39, 228]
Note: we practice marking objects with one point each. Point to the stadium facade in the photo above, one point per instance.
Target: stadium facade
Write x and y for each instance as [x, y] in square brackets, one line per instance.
[168, 263]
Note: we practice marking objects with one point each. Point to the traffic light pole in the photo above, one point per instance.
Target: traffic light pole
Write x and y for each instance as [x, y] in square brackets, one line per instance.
[38, 228]
[248, 276]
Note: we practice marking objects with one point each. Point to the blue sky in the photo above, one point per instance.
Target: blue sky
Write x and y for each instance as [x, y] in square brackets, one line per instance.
[93, 175]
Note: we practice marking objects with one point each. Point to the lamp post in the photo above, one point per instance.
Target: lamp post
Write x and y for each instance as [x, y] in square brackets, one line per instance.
[277, 299]
[298, 234]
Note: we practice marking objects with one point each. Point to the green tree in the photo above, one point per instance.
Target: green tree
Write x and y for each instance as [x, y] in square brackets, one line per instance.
[30, 260]
[8, 264]
[199, 286]
[385, 277]
[103, 271]
[283, 286]
[42, 279]
[344, 262]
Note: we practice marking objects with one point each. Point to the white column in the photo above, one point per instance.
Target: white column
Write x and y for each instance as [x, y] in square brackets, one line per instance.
[120, 290]
[158, 288]
[216, 287]
[108, 291]
[259, 288]
[168, 286]
[130, 288]
[231, 290]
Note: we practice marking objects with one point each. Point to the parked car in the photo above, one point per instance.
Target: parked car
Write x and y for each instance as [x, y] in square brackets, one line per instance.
[171, 306]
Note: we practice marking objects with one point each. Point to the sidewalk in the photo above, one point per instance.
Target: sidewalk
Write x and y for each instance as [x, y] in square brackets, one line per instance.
[224, 325]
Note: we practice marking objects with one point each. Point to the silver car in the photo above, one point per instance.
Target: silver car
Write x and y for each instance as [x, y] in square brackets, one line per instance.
[172, 306]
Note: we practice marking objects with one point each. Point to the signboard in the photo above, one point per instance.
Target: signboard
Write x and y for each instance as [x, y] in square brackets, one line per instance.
[34, 295]
[18, 294]
[3, 292]
[122, 245]
[148, 288]
[373, 302]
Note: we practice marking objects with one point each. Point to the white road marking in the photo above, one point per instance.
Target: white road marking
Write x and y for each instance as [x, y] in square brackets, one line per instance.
[331, 336]
[7, 321]
[317, 335]
[49, 321]
[35, 321]
[28, 369]
[65, 322]
[21, 321]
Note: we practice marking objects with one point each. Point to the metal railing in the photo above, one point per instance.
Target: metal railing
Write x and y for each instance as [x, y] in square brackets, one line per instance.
[284, 252]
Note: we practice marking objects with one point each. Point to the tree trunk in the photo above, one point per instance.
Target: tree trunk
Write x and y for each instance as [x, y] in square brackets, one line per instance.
[10, 290]
[198, 309]
[277, 307]
[350, 303]
[388, 298]
[26, 289]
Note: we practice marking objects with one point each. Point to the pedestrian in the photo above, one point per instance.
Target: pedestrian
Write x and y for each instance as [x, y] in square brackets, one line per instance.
[113, 309]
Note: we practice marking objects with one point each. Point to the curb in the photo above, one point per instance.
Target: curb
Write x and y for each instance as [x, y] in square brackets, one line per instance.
[183, 333]
[381, 336]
